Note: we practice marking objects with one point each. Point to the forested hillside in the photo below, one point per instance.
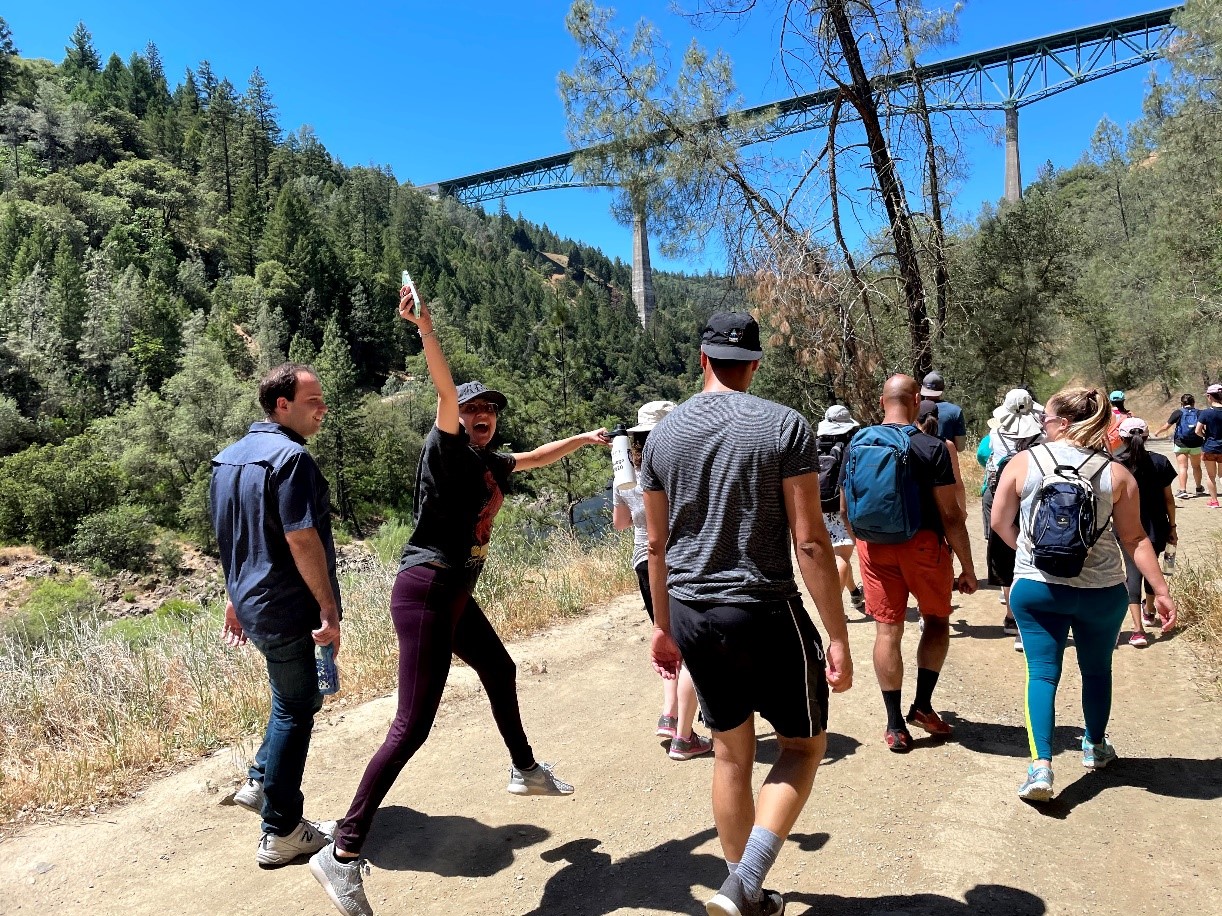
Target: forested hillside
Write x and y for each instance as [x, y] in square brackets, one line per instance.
[160, 246]
[163, 241]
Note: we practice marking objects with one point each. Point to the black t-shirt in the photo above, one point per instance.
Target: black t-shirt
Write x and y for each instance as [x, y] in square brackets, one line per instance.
[1154, 473]
[1212, 419]
[931, 468]
[459, 490]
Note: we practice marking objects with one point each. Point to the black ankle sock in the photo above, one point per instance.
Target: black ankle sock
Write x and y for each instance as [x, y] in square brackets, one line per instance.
[927, 680]
[895, 718]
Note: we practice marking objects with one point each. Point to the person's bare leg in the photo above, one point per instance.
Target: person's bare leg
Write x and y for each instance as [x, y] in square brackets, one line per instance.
[888, 661]
[1135, 616]
[844, 567]
[934, 644]
[670, 697]
[787, 787]
[733, 803]
[686, 699]
[1181, 478]
[1211, 481]
[1196, 468]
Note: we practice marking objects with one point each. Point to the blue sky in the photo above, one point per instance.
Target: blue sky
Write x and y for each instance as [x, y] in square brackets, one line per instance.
[439, 90]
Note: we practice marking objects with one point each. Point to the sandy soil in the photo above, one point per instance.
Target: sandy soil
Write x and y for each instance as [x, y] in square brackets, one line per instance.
[938, 831]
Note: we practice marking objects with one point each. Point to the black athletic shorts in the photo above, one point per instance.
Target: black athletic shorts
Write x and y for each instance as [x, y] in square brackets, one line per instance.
[766, 658]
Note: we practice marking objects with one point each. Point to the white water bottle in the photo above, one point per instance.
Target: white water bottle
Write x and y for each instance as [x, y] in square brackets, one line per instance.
[1169, 559]
[621, 461]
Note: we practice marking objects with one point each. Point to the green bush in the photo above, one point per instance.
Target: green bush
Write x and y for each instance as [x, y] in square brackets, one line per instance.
[120, 538]
[52, 605]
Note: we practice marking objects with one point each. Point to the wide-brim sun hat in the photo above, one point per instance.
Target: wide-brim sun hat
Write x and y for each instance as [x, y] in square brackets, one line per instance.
[836, 422]
[650, 415]
[1018, 415]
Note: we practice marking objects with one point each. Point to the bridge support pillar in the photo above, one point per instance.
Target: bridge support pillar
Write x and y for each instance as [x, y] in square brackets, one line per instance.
[1014, 172]
[642, 275]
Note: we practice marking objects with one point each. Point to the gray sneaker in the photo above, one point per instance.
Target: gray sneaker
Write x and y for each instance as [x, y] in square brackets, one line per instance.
[250, 796]
[732, 901]
[539, 781]
[306, 839]
[343, 881]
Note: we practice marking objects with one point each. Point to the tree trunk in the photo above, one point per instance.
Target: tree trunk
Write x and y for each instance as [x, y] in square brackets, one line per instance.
[891, 187]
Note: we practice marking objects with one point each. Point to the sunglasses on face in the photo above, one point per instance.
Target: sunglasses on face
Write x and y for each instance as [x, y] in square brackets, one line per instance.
[479, 407]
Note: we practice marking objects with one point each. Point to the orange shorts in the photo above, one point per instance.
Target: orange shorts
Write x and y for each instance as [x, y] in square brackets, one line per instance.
[920, 567]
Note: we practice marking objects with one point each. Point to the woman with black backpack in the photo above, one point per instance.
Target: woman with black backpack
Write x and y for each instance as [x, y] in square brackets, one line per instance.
[1187, 444]
[1069, 575]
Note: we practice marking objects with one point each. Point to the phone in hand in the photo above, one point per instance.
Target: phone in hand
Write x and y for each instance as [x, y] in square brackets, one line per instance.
[408, 284]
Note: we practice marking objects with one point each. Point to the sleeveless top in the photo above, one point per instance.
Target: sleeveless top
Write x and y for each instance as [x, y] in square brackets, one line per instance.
[1104, 565]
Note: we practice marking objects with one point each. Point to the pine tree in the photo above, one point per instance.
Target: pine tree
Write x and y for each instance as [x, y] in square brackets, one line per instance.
[8, 54]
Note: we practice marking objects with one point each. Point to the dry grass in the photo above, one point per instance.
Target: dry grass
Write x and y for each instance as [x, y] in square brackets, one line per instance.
[1197, 589]
[970, 469]
[91, 713]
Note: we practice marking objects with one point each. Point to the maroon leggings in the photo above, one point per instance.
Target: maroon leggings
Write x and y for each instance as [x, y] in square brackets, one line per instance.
[435, 617]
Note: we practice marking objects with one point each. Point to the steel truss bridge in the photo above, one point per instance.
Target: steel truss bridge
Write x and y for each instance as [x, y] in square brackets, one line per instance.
[1003, 79]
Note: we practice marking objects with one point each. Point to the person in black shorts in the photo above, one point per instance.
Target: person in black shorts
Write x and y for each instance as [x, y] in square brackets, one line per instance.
[460, 485]
[729, 481]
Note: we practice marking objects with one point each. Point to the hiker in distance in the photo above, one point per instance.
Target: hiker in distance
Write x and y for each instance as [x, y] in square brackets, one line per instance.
[901, 504]
[730, 481]
[271, 512]
[460, 485]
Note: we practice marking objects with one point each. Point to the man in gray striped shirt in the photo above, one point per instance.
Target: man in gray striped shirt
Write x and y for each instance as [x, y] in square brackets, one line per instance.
[729, 481]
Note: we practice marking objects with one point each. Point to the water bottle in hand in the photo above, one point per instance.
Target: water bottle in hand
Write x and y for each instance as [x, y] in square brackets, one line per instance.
[324, 664]
[1169, 559]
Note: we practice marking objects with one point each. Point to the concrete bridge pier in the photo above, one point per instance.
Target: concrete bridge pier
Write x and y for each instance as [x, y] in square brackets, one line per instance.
[642, 275]
[1014, 173]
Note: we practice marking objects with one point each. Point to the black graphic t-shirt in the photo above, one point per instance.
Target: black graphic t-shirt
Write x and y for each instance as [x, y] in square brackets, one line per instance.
[459, 490]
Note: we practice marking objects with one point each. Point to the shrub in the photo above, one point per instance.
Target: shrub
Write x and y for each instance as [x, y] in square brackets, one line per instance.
[52, 604]
[121, 538]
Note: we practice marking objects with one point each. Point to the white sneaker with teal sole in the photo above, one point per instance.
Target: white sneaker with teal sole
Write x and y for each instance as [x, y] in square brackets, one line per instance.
[1097, 756]
[1037, 787]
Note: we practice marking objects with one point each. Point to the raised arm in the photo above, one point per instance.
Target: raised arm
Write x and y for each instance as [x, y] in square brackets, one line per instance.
[439, 369]
[817, 564]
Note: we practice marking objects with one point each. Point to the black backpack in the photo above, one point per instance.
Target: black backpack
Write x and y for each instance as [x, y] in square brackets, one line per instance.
[831, 457]
[1064, 515]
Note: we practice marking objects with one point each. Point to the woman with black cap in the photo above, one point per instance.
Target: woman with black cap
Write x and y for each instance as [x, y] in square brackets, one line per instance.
[460, 485]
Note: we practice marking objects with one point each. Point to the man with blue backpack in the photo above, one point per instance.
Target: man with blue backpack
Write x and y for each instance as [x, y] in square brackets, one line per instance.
[899, 501]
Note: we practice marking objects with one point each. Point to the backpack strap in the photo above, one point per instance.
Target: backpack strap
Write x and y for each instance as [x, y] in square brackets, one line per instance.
[1098, 461]
[1038, 450]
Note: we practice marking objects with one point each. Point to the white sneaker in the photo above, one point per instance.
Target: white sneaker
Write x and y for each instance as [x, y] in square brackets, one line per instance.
[1018, 643]
[343, 881]
[250, 796]
[305, 840]
[539, 781]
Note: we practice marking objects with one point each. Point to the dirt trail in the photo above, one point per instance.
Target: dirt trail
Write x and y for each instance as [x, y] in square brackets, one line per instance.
[938, 831]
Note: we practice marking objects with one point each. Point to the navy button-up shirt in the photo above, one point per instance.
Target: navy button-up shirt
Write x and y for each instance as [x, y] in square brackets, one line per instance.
[263, 485]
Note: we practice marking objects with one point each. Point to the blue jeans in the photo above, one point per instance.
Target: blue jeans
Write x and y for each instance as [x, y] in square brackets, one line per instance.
[280, 761]
[1045, 615]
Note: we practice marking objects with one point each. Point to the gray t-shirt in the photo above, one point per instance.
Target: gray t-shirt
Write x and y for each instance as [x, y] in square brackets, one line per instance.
[720, 458]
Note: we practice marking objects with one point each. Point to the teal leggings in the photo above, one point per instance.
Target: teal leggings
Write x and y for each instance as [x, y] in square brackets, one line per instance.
[1046, 614]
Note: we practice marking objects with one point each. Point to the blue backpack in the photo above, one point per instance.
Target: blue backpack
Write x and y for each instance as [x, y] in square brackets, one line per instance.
[1185, 430]
[1064, 513]
[880, 490]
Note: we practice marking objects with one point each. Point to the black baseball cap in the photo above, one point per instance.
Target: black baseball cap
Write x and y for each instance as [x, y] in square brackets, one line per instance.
[471, 391]
[732, 335]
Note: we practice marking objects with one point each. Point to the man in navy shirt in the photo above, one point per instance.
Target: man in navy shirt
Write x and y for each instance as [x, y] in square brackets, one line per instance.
[951, 424]
[271, 512]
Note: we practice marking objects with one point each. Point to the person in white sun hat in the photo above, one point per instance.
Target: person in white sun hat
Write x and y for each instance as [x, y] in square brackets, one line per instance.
[1014, 427]
[678, 694]
[834, 432]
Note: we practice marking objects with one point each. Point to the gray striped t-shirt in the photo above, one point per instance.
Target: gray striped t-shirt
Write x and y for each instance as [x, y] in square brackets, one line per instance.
[720, 458]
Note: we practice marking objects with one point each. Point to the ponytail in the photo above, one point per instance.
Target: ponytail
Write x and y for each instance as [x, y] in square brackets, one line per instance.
[1089, 414]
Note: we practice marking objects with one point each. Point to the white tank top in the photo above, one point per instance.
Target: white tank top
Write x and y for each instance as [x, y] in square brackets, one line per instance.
[1104, 565]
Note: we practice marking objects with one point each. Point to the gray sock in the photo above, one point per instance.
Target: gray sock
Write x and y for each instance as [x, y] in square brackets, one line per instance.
[763, 846]
[732, 867]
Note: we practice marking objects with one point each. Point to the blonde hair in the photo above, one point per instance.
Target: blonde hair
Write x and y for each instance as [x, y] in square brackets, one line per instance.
[1089, 414]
